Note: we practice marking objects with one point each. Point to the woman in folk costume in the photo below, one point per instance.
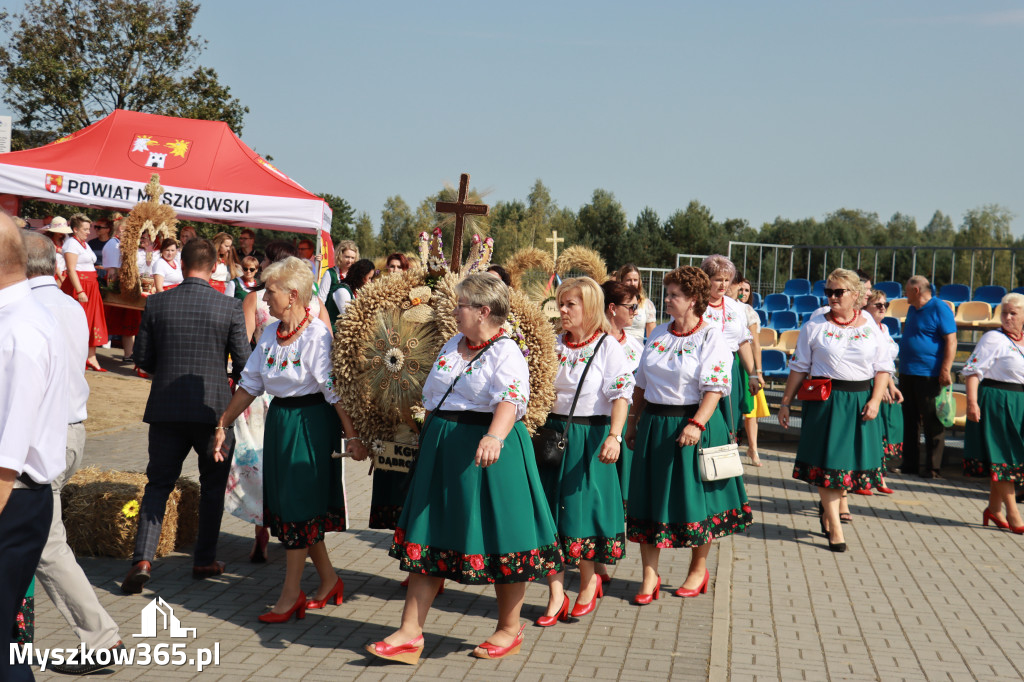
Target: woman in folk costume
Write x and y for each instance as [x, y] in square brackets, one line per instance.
[475, 512]
[741, 292]
[595, 384]
[81, 284]
[303, 490]
[890, 413]
[684, 376]
[167, 269]
[729, 317]
[994, 447]
[841, 438]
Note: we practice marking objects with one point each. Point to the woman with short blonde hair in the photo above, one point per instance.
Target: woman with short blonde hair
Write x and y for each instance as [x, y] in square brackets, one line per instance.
[302, 484]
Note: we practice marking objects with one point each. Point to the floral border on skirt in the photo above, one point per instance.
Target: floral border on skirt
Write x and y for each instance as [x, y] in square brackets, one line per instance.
[839, 479]
[476, 569]
[600, 549]
[892, 453]
[302, 534]
[385, 516]
[994, 471]
[693, 534]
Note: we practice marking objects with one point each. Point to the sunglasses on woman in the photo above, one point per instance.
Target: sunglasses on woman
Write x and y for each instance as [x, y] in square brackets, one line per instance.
[881, 306]
[250, 269]
[633, 307]
[838, 293]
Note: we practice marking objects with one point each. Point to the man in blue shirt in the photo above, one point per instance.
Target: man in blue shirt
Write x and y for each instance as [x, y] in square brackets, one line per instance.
[926, 358]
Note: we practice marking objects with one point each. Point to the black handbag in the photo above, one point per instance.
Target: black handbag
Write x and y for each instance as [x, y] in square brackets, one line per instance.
[549, 444]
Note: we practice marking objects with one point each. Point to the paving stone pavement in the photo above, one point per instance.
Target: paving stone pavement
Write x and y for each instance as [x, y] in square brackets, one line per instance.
[925, 593]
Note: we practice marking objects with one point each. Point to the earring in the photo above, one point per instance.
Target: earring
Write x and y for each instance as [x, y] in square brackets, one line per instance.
[289, 307]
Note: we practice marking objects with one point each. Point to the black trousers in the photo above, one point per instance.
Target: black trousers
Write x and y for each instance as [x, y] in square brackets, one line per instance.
[919, 394]
[169, 445]
[24, 527]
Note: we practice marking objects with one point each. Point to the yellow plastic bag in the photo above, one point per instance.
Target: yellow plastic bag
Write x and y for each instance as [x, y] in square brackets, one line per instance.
[760, 406]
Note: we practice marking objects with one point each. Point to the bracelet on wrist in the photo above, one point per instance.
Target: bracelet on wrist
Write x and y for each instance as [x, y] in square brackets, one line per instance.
[225, 427]
[500, 440]
[697, 424]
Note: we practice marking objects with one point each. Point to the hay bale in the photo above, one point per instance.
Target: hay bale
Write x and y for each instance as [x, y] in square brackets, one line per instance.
[188, 513]
[101, 510]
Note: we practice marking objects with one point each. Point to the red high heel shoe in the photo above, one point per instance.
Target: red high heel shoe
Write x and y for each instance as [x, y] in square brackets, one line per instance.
[642, 599]
[562, 615]
[885, 490]
[89, 367]
[605, 578]
[493, 651]
[299, 609]
[337, 593]
[583, 609]
[702, 589]
[402, 653]
[987, 516]
[865, 492]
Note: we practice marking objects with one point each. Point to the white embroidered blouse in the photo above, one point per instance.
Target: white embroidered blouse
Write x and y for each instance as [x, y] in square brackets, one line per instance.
[678, 370]
[645, 313]
[634, 348]
[300, 368]
[825, 349]
[170, 273]
[731, 320]
[996, 357]
[610, 378]
[500, 375]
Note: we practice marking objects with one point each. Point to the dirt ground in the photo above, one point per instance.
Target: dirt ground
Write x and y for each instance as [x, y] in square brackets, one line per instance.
[117, 398]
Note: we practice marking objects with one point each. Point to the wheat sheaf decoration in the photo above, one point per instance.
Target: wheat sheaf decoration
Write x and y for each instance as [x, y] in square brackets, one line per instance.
[150, 217]
[399, 358]
[580, 259]
[525, 260]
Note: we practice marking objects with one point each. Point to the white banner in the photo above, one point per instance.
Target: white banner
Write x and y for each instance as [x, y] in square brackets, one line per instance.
[298, 215]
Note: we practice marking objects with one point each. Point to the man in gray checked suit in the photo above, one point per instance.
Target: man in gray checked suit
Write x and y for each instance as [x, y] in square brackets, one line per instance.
[184, 340]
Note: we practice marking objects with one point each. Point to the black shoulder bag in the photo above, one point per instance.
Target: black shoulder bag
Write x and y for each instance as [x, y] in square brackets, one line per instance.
[549, 444]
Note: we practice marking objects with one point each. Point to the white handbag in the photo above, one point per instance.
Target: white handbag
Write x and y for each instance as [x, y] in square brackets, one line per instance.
[721, 461]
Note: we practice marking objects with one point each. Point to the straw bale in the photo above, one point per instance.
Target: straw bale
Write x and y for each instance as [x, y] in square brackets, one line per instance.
[100, 512]
[188, 513]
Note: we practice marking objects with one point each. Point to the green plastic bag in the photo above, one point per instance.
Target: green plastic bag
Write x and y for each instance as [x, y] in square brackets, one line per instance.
[945, 406]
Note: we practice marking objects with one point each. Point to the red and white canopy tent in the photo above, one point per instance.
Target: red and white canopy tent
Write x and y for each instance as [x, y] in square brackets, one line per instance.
[207, 172]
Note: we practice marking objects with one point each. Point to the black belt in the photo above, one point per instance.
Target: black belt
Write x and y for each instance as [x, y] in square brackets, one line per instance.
[849, 386]
[300, 400]
[586, 420]
[657, 410]
[474, 418]
[30, 484]
[1002, 385]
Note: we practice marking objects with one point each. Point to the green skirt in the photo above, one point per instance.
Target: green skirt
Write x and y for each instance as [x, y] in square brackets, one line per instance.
[740, 399]
[837, 448]
[476, 525]
[389, 489]
[994, 447]
[303, 495]
[891, 416]
[585, 498]
[669, 504]
[624, 463]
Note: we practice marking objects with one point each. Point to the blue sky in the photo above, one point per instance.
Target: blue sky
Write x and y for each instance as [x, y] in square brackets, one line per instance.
[757, 109]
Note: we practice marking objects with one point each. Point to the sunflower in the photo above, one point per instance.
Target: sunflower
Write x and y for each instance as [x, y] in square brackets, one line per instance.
[130, 509]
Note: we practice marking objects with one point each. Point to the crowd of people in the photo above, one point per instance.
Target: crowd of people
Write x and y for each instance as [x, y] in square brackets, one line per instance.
[619, 464]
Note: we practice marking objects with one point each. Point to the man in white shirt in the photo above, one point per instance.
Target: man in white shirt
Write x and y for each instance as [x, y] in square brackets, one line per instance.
[33, 435]
[58, 572]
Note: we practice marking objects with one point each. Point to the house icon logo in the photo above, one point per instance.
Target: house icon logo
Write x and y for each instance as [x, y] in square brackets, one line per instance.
[150, 620]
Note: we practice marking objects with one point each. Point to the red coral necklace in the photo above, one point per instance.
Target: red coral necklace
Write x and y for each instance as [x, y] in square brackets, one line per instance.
[482, 345]
[288, 335]
[1016, 339]
[575, 346]
[840, 323]
[672, 328]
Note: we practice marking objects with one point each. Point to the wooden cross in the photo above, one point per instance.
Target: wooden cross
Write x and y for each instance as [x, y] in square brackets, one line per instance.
[555, 239]
[461, 209]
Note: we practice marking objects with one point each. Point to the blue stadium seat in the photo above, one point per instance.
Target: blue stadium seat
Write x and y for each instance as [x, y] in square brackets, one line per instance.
[1019, 290]
[818, 289]
[890, 289]
[804, 317]
[763, 316]
[991, 294]
[773, 364]
[775, 302]
[783, 320]
[797, 287]
[955, 293]
[894, 327]
[755, 300]
[805, 304]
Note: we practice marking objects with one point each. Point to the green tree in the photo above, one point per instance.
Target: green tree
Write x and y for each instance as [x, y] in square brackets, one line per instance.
[68, 63]
[397, 231]
[604, 222]
[644, 243]
[692, 231]
[341, 220]
[364, 236]
[984, 227]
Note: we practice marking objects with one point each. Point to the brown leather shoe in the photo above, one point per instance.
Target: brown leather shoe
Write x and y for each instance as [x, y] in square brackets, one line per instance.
[137, 577]
[201, 572]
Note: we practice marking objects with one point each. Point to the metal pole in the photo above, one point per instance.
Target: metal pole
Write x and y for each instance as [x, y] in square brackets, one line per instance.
[892, 278]
[775, 276]
[935, 254]
[992, 270]
[1013, 267]
[913, 264]
[952, 266]
[760, 265]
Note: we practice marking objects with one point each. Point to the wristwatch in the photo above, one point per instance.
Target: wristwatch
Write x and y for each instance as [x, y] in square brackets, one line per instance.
[618, 438]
